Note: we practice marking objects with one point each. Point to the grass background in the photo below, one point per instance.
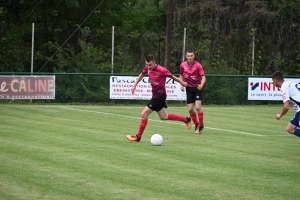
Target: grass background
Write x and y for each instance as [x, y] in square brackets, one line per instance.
[81, 152]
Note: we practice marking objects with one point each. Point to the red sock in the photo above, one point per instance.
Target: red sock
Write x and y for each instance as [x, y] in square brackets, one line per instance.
[176, 117]
[194, 118]
[201, 117]
[142, 127]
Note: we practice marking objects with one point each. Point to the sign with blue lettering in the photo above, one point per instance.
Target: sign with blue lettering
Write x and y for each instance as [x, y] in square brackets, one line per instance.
[263, 89]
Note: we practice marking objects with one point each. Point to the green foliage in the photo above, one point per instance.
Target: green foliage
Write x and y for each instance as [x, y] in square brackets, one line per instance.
[225, 90]
[226, 29]
[85, 58]
[14, 52]
[220, 31]
[81, 88]
[298, 56]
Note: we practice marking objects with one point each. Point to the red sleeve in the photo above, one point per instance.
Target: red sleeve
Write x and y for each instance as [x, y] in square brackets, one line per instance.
[181, 68]
[145, 70]
[201, 71]
[167, 72]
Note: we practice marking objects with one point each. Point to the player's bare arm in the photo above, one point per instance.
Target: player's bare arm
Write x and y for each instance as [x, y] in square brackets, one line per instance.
[182, 87]
[139, 78]
[184, 84]
[285, 109]
[203, 81]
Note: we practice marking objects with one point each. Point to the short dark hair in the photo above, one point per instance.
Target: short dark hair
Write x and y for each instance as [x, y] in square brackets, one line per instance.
[190, 51]
[277, 76]
[150, 58]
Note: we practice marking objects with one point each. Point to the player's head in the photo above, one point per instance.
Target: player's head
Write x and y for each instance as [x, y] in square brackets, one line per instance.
[277, 78]
[150, 62]
[190, 56]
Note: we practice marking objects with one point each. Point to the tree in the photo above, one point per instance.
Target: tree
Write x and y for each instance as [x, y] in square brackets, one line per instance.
[220, 31]
[224, 29]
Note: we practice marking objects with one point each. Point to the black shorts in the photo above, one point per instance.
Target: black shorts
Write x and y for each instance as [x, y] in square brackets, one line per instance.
[157, 104]
[193, 94]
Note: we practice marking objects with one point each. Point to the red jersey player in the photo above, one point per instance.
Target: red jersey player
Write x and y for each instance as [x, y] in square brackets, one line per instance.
[157, 76]
[192, 72]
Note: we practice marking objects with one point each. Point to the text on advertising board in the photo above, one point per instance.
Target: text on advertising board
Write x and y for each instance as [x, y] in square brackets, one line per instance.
[27, 87]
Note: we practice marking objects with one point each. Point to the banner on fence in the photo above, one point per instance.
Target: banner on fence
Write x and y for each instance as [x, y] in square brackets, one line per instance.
[27, 87]
[120, 88]
[263, 89]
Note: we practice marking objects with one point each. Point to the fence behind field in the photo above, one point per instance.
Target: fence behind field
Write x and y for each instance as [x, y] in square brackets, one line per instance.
[94, 88]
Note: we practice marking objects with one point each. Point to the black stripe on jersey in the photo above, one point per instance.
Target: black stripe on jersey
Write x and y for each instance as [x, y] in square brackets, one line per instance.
[296, 102]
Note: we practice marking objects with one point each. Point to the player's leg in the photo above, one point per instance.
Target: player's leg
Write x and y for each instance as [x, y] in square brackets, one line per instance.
[143, 123]
[192, 113]
[194, 116]
[200, 116]
[291, 128]
[200, 113]
[163, 115]
[294, 123]
[190, 99]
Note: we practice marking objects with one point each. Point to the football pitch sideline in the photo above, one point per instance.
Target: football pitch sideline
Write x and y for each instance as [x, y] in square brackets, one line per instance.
[81, 152]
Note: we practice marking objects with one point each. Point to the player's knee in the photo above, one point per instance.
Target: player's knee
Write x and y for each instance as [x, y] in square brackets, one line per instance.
[144, 115]
[163, 117]
[291, 131]
[191, 110]
[199, 110]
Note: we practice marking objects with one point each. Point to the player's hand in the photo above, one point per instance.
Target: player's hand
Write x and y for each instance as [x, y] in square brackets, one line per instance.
[184, 84]
[199, 87]
[182, 88]
[277, 116]
[133, 89]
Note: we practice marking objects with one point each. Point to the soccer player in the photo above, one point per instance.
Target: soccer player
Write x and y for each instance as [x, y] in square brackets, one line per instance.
[191, 71]
[290, 94]
[157, 75]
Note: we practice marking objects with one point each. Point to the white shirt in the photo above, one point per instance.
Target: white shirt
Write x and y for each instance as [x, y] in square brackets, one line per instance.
[291, 92]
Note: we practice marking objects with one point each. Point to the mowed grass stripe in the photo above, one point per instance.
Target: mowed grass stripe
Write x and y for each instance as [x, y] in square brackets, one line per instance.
[85, 157]
[61, 143]
[236, 117]
[157, 120]
[50, 141]
[244, 118]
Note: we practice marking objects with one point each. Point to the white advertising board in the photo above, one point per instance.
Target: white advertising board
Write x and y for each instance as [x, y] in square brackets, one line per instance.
[263, 89]
[120, 88]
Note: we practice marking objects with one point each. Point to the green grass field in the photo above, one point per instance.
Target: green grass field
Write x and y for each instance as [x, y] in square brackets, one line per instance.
[81, 152]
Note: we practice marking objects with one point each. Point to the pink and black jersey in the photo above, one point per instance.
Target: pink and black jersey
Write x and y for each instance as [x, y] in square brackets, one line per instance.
[157, 79]
[191, 73]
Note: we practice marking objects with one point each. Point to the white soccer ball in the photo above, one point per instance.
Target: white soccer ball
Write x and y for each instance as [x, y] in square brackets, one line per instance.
[156, 140]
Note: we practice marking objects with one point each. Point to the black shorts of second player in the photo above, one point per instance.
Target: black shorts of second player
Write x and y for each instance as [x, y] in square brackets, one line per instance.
[157, 104]
[193, 94]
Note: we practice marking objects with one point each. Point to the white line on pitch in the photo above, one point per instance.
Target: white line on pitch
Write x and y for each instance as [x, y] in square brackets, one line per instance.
[169, 122]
